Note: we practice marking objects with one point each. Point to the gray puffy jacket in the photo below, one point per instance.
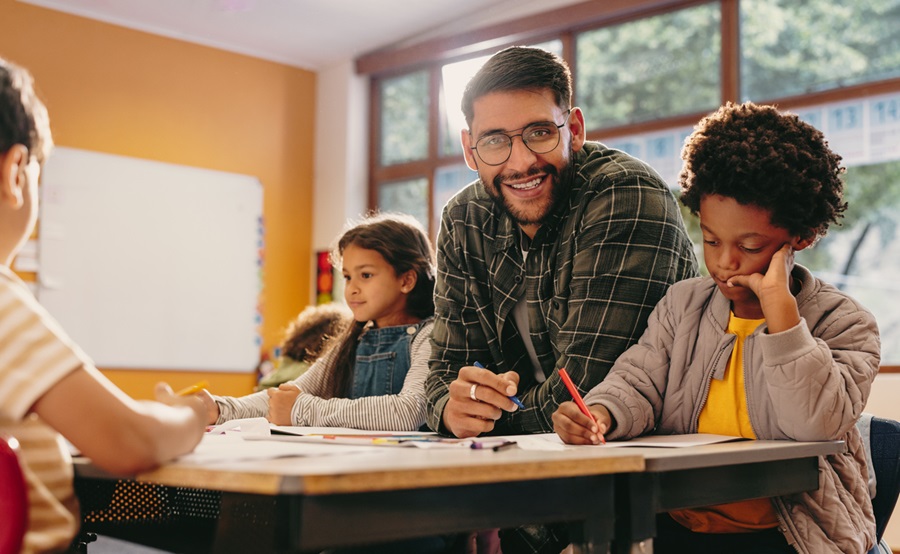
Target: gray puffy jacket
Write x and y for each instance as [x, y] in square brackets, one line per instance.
[808, 383]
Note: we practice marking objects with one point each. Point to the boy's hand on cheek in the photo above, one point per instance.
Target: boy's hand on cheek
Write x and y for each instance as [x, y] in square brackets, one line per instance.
[573, 427]
[774, 282]
[773, 289]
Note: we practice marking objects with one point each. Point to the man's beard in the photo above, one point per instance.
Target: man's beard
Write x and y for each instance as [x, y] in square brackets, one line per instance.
[561, 182]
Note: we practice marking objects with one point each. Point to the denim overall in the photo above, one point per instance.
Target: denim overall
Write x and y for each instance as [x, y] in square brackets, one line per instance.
[382, 360]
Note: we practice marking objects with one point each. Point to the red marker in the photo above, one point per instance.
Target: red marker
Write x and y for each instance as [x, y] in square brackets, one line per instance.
[578, 400]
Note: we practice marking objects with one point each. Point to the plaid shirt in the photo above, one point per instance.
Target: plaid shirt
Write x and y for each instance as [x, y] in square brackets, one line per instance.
[595, 269]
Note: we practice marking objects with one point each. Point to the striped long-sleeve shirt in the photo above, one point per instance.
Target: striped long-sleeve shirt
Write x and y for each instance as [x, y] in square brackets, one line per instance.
[594, 271]
[404, 411]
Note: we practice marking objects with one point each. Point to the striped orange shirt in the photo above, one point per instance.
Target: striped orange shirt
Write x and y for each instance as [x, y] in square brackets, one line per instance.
[35, 354]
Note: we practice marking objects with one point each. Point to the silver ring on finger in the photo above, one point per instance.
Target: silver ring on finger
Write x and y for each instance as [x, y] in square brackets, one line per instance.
[472, 392]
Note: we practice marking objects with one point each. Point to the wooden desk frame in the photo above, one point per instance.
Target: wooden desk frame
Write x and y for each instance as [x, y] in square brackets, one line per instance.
[307, 504]
[309, 523]
[610, 497]
[683, 479]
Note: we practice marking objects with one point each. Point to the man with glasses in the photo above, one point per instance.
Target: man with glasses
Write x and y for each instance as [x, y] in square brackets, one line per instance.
[552, 259]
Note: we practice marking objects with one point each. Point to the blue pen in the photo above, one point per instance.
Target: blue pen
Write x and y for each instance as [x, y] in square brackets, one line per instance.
[514, 398]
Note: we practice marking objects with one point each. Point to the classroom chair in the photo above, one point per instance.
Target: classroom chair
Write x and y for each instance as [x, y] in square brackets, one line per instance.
[883, 440]
[13, 497]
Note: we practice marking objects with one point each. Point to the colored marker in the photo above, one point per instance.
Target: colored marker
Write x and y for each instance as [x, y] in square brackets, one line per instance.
[514, 398]
[193, 389]
[577, 398]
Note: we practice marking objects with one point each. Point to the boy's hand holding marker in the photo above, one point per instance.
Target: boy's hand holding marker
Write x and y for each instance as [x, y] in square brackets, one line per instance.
[575, 422]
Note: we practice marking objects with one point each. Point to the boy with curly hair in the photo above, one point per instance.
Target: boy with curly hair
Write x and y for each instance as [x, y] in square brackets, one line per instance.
[761, 348]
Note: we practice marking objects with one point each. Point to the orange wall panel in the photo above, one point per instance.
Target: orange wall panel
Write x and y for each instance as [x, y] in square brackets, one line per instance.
[120, 91]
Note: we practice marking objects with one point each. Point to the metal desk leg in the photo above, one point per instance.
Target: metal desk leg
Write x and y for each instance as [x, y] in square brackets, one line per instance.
[635, 513]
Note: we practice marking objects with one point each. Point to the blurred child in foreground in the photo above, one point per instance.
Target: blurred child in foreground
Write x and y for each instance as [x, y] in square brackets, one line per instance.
[48, 386]
[761, 348]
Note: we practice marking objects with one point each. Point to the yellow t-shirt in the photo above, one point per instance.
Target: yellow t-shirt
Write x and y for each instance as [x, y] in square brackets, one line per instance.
[725, 413]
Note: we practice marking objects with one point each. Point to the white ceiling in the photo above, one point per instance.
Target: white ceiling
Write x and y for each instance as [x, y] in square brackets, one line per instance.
[310, 34]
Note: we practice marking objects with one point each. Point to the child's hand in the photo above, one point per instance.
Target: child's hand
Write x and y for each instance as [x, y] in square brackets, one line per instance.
[166, 395]
[281, 403]
[573, 427]
[212, 409]
[773, 289]
[775, 281]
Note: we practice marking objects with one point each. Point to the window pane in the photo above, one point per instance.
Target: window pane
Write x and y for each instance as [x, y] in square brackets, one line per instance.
[790, 48]
[454, 77]
[660, 149]
[404, 118]
[448, 181]
[650, 68]
[862, 256]
[409, 197]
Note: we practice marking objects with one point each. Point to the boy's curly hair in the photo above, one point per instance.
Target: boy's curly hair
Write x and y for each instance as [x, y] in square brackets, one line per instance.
[313, 331]
[762, 157]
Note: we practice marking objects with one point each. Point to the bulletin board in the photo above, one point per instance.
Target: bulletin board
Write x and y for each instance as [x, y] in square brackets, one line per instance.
[151, 265]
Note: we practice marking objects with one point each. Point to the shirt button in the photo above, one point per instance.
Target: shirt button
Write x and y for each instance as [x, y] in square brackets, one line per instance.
[410, 330]
[518, 278]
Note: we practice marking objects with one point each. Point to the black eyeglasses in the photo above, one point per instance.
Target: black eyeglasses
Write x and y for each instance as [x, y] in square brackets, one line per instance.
[540, 138]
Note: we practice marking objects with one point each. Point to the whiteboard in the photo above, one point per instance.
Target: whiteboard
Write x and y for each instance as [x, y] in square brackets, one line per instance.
[151, 265]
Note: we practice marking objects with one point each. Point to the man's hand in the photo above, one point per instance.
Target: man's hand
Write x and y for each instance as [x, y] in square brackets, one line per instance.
[281, 403]
[573, 427]
[477, 398]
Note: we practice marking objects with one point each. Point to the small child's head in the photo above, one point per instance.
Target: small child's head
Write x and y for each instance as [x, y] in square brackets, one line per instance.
[25, 142]
[307, 337]
[388, 266]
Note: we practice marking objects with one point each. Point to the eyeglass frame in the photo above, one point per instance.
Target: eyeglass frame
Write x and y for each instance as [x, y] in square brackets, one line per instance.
[521, 136]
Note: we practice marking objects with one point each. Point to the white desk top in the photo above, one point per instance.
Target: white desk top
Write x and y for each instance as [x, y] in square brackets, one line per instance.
[382, 468]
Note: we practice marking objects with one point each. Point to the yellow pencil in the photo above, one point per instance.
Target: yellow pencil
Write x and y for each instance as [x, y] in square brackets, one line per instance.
[193, 389]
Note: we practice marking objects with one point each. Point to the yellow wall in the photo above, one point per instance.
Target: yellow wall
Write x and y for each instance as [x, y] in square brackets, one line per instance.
[114, 90]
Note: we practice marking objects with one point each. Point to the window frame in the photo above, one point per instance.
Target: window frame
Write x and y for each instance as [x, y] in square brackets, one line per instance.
[561, 24]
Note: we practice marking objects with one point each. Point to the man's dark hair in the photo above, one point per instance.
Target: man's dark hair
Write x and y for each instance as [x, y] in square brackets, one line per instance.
[520, 68]
[762, 157]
